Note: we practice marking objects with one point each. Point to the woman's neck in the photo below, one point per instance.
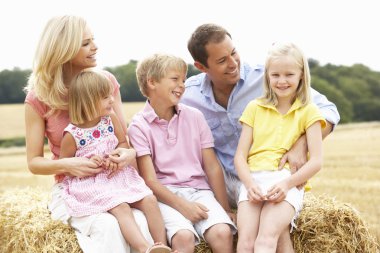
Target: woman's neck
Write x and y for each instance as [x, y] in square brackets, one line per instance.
[68, 73]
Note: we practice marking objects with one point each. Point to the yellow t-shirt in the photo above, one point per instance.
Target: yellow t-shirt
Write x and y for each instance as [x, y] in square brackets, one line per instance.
[274, 133]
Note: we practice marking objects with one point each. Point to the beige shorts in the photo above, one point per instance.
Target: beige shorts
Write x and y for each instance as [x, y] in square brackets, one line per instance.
[175, 221]
[266, 179]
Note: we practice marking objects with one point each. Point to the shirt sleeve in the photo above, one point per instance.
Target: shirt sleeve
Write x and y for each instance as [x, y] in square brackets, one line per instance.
[207, 140]
[312, 115]
[327, 108]
[37, 105]
[138, 140]
[249, 113]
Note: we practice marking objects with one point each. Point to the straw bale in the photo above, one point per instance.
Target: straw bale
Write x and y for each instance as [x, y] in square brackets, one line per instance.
[327, 225]
[26, 226]
[324, 225]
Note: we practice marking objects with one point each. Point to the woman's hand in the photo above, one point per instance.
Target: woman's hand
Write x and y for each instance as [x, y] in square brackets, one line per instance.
[80, 167]
[120, 158]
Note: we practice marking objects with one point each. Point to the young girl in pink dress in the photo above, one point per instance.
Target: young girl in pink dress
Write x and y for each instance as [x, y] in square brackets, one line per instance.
[93, 133]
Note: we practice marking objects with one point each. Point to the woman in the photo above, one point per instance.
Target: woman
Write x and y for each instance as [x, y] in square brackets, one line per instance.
[66, 48]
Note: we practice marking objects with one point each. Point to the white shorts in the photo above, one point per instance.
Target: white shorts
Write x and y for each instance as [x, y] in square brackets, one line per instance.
[266, 179]
[175, 221]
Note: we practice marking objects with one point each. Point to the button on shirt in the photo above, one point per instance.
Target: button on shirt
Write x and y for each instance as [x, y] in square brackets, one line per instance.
[224, 123]
[175, 146]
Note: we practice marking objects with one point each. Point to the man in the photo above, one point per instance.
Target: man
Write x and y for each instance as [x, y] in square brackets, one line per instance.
[223, 90]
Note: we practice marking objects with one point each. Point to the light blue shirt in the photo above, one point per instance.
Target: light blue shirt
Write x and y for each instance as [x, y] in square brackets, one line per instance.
[224, 123]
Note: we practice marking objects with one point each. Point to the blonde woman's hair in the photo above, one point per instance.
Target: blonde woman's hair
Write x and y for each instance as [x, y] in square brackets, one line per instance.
[86, 91]
[59, 43]
[288, 49]
[156, 67]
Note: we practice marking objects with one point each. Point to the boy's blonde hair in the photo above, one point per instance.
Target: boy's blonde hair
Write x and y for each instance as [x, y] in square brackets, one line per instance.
[156, 67]
[59, 43]
[288, 49]
[86, 91]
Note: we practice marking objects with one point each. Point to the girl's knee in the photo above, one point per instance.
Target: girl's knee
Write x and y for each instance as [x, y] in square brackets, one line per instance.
[122, 208]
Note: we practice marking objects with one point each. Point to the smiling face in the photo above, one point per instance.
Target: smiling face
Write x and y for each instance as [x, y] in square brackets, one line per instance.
[223, 63]
[85, 58]
[169, 89]
[284, 77]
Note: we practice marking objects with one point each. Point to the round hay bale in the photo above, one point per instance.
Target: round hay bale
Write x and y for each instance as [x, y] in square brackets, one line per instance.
[26, 226]
[326, 225]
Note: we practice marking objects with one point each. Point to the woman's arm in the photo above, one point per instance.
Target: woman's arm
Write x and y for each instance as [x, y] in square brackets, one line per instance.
[118, 109]
[123, 155]
[37, 163]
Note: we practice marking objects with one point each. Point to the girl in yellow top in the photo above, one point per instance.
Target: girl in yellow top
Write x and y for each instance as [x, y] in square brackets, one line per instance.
[269, 200]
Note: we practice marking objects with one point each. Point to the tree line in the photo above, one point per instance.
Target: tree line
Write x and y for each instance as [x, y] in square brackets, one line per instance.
[355, 90]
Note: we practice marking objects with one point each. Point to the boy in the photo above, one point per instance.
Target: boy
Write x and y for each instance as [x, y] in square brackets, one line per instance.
[175, 156]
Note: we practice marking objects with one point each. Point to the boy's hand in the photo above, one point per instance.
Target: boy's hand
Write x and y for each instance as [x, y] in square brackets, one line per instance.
[194, 211]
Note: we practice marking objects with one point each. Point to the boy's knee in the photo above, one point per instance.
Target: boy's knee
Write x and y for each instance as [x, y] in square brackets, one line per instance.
[220, 231]
[184, 237]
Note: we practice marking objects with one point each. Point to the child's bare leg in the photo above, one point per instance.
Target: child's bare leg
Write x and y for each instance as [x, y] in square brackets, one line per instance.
[220, 238]
[285, 244]
[273, 220]
[129, 228]
[183, 241]
[149, 207]
[248, 220]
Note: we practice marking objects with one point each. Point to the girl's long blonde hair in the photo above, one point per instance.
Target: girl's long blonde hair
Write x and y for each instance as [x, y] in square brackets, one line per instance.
[288, 49]
[59, 43]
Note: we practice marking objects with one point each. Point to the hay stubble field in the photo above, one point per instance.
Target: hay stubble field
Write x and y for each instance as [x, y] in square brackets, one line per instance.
[351, 170]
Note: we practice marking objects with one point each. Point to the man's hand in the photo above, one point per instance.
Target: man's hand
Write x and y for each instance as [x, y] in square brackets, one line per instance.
[296, 157]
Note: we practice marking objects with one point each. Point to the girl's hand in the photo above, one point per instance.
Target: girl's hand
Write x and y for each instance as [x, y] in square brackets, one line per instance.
[80, 167]
[97, 159]
[111, 166]
[277, 192]
[122, 157]
[255, 194]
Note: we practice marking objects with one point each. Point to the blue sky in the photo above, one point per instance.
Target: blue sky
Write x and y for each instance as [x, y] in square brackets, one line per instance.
[337, 32]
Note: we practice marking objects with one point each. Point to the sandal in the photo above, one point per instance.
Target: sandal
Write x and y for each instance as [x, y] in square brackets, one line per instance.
[158, 248]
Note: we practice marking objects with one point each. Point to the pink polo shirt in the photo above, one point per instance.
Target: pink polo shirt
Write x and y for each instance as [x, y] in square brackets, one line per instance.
[175, 146]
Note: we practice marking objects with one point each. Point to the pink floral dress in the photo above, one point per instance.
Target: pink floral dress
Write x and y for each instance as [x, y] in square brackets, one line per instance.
[97, 194]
